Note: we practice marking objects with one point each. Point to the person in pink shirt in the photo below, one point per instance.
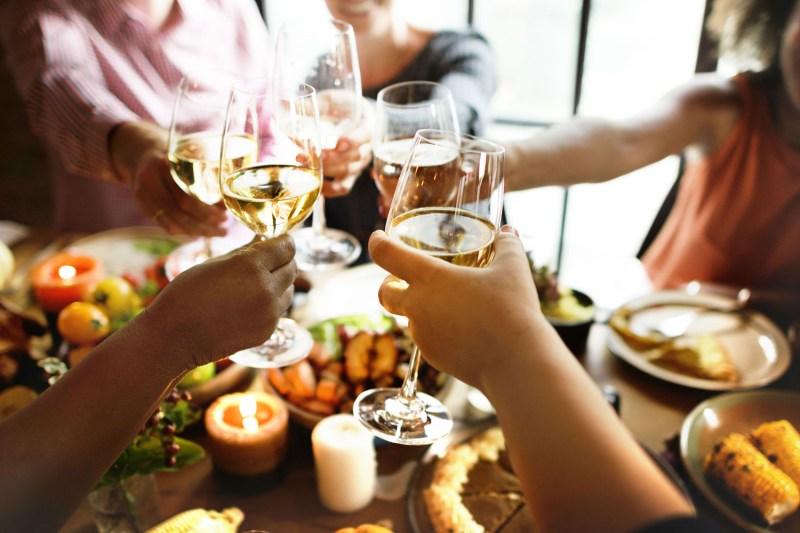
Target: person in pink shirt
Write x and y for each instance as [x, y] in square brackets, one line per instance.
[736, 220]
[99, 79]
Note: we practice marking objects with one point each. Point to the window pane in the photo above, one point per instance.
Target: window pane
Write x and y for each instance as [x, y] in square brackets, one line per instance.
[535, 43]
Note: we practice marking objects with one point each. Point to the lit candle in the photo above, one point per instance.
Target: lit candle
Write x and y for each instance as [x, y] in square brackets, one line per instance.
[64, 278]
[344, 460]
[248, 432]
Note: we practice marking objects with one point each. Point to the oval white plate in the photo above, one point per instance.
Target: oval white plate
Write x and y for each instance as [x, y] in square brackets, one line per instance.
[757, 348]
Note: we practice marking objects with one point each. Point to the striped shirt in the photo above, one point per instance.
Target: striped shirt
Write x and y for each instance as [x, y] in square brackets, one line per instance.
[86, 66]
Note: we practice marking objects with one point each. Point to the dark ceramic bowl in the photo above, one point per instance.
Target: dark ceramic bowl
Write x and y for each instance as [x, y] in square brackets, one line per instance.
[574, 333]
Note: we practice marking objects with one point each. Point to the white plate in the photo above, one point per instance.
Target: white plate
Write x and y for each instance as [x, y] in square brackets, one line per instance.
[718, 417]
[124, 250]
[757, 348]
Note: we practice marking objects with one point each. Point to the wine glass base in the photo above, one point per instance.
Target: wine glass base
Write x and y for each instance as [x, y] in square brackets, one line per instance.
[332, 250]
[375, 410]
[289, 344]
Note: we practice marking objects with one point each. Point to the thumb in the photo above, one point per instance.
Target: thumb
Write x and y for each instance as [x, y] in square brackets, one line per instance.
[508, 249]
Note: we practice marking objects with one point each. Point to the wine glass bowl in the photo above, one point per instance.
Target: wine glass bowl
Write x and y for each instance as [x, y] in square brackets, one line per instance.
[322, 53]
[448, 204]
[277, 190]
[401, 110]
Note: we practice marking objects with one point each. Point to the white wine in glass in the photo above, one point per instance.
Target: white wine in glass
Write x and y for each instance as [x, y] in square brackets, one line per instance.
[448, 204]
[322, 53]
[193, 151]
[277, 190]
[401, 110]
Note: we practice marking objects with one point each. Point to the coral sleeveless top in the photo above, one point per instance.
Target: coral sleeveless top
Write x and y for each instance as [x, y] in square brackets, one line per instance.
[736, 218]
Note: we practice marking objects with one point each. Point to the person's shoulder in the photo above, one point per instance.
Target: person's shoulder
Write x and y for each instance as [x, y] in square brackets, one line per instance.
[449, 37]
[709, 92]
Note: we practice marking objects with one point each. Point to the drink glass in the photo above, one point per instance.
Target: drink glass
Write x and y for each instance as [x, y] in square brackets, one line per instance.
[277, 189]
[193, 151]
[448, 204]
[323, 54]
[401, 110]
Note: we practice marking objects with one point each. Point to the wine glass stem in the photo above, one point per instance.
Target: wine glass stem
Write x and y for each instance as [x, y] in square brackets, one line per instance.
[318, 222]
[408, 391]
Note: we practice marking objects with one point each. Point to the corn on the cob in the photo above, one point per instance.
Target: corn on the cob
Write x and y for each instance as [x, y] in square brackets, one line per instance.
[749, 475]
[780, 442]
[202, 521]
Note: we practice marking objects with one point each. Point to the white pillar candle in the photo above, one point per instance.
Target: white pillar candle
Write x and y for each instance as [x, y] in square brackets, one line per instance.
[344, 459]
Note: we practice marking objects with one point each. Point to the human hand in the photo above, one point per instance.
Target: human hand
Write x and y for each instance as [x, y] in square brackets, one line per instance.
[344, 163]
[227, 303]
[138, 150]
[460, 317]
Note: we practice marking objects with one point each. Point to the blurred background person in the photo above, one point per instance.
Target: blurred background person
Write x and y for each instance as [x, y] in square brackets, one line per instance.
[99, 79]
[736, 220]
[390, 50]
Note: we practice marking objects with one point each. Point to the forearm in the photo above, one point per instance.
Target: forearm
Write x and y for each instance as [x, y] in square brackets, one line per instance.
[106, 399]
[570, 435]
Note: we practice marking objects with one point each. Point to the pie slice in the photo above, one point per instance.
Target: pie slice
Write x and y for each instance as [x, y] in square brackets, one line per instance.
[492, 510]
[702, 357]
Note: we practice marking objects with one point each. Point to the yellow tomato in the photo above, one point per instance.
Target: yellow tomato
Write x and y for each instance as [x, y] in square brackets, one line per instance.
[115, 295]
[82, 323]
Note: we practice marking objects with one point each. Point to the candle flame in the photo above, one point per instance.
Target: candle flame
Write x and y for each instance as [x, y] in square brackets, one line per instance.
[247, 408]
[67, 272]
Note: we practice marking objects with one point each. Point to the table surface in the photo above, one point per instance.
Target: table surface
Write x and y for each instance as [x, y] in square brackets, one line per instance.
[286, 501]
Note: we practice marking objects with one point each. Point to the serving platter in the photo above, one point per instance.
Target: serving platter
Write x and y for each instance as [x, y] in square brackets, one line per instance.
[718, 417]
[423, 475]
[756, 346]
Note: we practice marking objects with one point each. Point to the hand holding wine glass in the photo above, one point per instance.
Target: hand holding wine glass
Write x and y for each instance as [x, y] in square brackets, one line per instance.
[448, 204]
[277, 189]
[323, 55]
[401, 110]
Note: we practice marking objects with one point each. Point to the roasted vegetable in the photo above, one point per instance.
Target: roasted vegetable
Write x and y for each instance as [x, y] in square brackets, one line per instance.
[747, 474]
[357, 355]
[780, 442]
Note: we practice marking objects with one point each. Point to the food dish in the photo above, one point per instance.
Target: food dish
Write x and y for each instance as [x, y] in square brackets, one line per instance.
[337, 335]
[424, 475]
[716, 418]
[756, 347]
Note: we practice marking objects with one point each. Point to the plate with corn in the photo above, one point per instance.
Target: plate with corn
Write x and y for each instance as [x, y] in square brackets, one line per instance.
[742, 450]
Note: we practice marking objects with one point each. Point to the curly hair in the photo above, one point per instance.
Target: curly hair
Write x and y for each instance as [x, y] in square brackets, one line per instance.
[749, 31]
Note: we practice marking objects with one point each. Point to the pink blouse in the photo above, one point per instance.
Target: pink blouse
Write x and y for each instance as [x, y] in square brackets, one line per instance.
[736, 219]
[86, 66]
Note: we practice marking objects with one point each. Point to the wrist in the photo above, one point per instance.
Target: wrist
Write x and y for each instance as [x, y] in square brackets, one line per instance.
[129, 145]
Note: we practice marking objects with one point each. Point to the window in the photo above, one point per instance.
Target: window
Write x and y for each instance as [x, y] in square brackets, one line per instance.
[635, 52]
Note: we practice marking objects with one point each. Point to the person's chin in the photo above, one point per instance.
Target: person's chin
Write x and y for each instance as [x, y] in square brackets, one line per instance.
[356, 9]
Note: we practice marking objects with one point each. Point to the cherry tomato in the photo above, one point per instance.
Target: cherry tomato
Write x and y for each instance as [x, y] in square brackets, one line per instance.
[82, 323]
[115, 296]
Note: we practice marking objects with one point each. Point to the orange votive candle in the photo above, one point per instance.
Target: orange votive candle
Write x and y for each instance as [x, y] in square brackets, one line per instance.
[64, 278]
[248, 432]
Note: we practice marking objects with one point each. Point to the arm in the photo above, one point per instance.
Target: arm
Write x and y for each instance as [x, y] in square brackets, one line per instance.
[699, 114]
[56, 449]
[558, 439]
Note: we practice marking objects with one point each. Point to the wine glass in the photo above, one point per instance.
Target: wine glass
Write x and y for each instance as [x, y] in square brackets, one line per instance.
[277, 189]
[402, 109]
[323, 55]
[193, 151]
[448, 204]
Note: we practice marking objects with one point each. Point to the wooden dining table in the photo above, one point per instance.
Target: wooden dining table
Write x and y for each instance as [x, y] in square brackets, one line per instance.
[286, 500]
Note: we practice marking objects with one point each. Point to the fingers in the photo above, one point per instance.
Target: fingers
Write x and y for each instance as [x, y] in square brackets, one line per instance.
[391, 295]
[400, 260]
